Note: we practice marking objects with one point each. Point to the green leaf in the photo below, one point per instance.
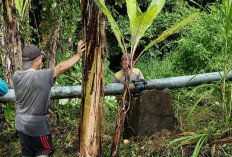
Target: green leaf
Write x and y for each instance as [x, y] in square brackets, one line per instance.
[9, 112]
[68, 137]
[19, 6]
[200, 142]
[190, 139]
[140, 25]
[160, 4]
[167, 33]
[143, 22]
[26, 8]
[113, 24]
[171, 31]
[133, 10]
[229, 7]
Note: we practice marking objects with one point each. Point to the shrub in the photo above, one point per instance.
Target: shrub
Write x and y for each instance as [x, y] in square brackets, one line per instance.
[200, 46]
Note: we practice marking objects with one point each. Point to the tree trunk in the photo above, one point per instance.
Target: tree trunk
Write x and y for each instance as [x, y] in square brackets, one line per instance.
[12, 58]
[51, 47]
[51, 38]
[93, 32]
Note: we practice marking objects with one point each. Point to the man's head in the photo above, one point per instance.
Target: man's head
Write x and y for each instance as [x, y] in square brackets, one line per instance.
[31, 57]
[125, 60]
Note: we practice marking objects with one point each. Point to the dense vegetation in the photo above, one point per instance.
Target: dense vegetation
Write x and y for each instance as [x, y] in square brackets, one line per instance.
[203, 112]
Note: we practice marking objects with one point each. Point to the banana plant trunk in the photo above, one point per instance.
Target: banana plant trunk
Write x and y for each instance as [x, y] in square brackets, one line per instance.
[124, 104]
[93, 32]
[12, 58]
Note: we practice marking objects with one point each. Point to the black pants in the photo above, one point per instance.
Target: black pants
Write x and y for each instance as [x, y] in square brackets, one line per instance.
[35, 146]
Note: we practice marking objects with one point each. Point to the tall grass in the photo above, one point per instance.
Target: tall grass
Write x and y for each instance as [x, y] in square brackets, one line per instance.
[226, 31]
[224, 90]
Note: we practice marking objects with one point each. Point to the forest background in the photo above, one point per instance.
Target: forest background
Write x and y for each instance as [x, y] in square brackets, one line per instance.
[197, 48]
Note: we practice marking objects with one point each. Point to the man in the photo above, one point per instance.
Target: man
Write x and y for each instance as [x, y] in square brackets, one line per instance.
[120, 76]
[3, 90]
[32, 90]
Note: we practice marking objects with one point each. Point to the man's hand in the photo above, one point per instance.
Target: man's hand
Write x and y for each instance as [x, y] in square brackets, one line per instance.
[80, 48]
[65, 65]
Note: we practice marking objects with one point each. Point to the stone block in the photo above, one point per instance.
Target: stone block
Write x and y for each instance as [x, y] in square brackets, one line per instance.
[149, 113]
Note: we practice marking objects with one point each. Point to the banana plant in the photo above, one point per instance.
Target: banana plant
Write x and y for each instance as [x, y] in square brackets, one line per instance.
[139, 23]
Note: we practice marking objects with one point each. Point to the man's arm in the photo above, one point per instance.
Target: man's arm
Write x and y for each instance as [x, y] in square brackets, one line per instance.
[65, 65]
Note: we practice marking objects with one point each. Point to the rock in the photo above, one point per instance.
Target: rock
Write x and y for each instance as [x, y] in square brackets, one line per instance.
[149, 113]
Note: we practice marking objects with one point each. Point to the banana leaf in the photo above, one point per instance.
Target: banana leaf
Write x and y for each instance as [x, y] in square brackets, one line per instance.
[133, 10]
[140, 25]
[26, 8]
[143, 22]
[19, 6]
[168, 32]
[160, 4]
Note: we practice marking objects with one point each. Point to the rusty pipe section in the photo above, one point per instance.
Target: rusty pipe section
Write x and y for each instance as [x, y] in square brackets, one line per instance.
[117, 88]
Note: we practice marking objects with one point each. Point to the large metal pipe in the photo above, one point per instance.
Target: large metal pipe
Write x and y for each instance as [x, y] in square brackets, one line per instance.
[117, 88]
